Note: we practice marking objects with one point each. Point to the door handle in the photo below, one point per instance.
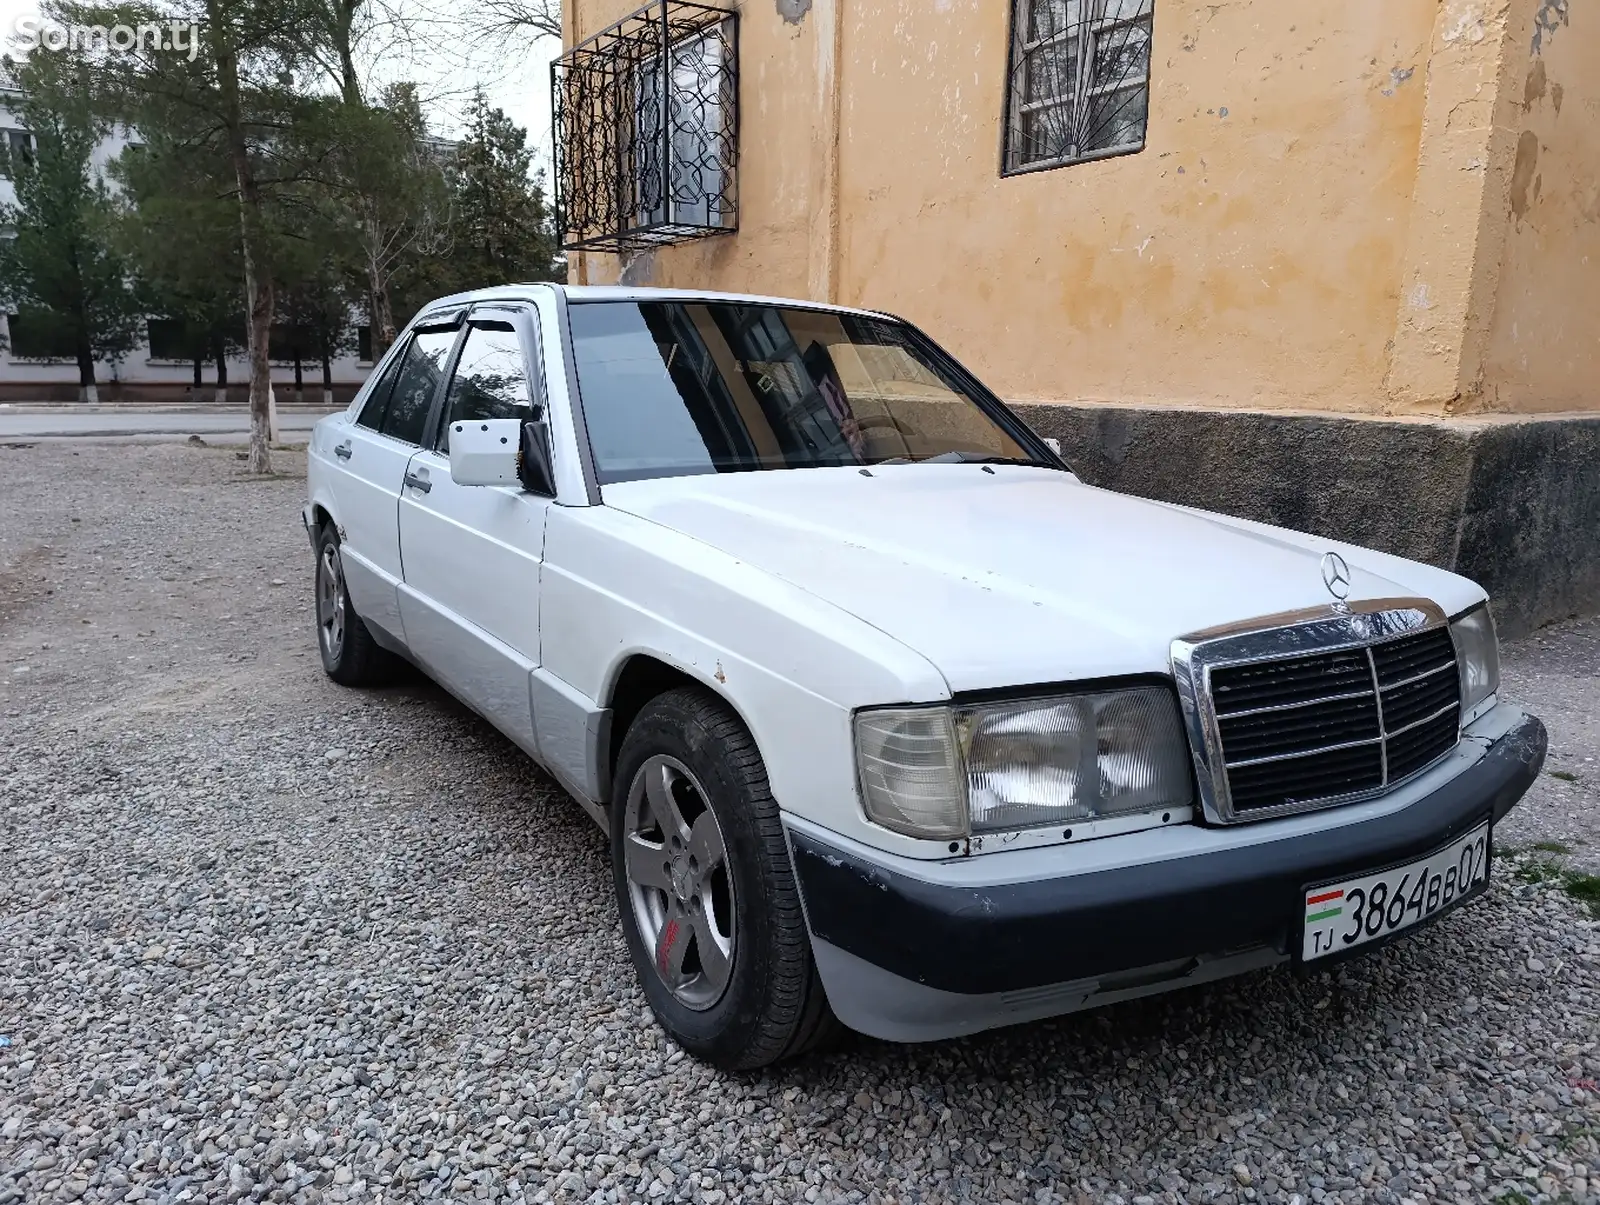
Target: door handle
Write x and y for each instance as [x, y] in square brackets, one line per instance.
[418, 483]
[342, 451]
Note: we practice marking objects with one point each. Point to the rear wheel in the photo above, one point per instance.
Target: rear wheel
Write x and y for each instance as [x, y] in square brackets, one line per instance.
[706, 892]
[350, 655]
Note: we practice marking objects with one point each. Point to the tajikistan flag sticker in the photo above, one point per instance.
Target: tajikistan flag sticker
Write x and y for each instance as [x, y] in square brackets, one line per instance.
[1324, 905]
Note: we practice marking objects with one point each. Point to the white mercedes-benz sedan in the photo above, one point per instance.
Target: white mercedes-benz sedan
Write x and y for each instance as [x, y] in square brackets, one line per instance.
[890, 719]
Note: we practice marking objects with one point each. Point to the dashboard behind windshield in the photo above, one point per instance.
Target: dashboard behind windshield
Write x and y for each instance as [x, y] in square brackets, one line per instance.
[671, 388]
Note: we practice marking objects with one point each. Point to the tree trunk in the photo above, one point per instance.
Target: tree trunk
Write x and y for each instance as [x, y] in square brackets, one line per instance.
[299, 377]
[87, 391]
[258, 304]
[199, 381]
[383, 331]
[344, 23]
[219, 349]
[257, 273]
[327, 374]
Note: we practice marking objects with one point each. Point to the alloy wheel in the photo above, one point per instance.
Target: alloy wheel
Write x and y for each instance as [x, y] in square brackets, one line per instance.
[678, 881]
[330, 602]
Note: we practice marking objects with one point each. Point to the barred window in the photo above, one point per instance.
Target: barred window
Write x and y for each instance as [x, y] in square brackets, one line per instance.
[646, 129]
[1080, 81]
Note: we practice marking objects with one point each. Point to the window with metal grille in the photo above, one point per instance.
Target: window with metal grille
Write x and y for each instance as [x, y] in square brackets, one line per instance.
[646, 129]
[1080, 81]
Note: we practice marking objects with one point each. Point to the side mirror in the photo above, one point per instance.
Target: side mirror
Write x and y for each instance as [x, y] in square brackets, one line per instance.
[534, 469]
[484, 451]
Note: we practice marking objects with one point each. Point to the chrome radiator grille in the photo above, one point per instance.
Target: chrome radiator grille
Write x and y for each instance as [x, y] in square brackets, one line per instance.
[1297, 730]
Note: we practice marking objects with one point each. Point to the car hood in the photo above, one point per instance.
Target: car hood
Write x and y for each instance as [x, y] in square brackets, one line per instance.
[1011, 575]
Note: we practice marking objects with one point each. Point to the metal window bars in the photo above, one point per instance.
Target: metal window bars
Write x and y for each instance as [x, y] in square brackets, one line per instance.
[646, 118]
[1080, 81]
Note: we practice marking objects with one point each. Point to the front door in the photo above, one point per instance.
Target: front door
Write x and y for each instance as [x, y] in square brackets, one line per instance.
[472, 553]
[373, 452]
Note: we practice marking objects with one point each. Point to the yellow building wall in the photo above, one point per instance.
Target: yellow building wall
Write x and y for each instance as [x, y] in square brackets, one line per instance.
[1308, 225]
[1249, 255]
[1544, 341]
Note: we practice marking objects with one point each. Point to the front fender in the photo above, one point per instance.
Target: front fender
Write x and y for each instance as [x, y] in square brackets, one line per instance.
[792, 666]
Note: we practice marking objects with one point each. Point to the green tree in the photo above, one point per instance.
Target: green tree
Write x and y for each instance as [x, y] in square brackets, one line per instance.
[385, 175]
[500, 227]
[180, 231]
[62, 272]
[316, 293]
[235, 98]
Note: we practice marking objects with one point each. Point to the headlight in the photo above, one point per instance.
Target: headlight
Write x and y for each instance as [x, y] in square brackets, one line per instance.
[950, 771]
[1477, 658]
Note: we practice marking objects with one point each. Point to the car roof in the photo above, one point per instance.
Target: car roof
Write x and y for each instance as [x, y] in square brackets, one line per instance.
[582, 293]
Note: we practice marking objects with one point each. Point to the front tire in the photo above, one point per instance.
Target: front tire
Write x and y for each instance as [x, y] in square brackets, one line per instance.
[707, 895]
[350, 656]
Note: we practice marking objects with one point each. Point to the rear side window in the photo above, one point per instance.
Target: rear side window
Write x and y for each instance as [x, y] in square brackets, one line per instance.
[491, 378]
[415, 387]
[378, 396]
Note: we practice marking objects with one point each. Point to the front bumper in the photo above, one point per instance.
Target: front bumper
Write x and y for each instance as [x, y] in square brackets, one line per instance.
[917, 951]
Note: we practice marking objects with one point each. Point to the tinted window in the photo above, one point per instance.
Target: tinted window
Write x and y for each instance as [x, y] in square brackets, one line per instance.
[491, 378]
[378, 397]
[671, 388]
[416, 385]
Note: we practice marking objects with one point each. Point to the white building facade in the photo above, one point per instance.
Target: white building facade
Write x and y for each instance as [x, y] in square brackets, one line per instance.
[145, 374]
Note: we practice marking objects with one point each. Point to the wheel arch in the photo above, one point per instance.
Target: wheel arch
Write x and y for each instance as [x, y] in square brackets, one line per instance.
[640, 677]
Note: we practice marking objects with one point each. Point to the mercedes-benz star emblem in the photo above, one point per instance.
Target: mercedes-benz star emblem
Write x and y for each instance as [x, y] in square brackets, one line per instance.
[1336, 576]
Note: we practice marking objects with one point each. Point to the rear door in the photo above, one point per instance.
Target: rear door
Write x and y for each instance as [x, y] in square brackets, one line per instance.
[373, 453]
[470, 598]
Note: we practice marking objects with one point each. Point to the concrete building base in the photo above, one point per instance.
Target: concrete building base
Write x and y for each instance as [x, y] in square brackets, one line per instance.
[1513, 504]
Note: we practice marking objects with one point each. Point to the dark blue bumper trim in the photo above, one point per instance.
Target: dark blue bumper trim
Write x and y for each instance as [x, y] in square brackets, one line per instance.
[1022, 935]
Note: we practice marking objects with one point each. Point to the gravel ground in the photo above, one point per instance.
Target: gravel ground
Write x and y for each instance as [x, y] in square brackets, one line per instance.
[264, 938]
[1556, 674]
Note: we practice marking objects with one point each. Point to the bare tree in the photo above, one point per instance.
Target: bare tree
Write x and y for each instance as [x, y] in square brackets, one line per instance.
[541, 18]
[390, 179]
[344, 39]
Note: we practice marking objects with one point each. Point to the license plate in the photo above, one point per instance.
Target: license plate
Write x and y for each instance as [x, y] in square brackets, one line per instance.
[1342, 916]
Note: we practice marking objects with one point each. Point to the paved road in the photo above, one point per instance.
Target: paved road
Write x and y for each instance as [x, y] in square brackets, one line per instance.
[230, 425]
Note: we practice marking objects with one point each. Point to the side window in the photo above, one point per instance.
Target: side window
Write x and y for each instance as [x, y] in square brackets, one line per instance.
[377, 402]
[491, 378]
[414, 389]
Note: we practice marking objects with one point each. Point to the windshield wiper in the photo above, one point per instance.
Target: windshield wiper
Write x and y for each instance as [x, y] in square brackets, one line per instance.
[974, 458]
[958, 458]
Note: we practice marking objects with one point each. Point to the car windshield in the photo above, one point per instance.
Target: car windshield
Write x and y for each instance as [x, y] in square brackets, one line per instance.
[672, 388]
